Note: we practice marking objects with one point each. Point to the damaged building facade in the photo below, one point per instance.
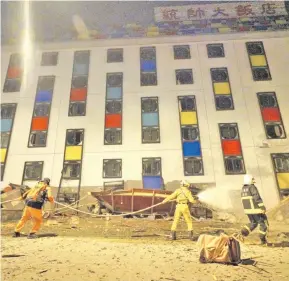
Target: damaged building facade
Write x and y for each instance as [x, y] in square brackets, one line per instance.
[200, 94]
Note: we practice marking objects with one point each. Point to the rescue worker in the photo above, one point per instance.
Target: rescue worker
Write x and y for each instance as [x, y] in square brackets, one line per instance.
[34, 200]
[183, 196]
[254, 208]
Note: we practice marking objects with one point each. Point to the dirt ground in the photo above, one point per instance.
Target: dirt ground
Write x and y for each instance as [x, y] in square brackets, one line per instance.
[134, 249]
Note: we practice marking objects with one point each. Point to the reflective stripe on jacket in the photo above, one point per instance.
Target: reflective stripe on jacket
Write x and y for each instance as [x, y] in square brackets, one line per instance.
[252, 201]
[183, 196]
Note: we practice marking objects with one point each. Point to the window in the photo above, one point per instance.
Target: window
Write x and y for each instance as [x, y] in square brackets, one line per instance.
[224, 102]
[45, 83]
[74, 137]
[151, 166]
[79, 82]
[112, 136]
[37, 139]
[148, 68]
[234, 165]
[114, 55]
[33, 171]
[184, 76]
[275, 131]
[112, 168]
[148, 79]
[114, 106]
[5, 137]
[182, 52]
[150, 135]
[41, 109]
[219, 74]
[215, 50]
[71, 170]
[193, 167]
[15, 60]
[49, 59]
[114, 80]
[281, 162]
[12, 85]
[190, 133]
[267, 100]
[77, 108]
[148, 53]
[187, 104]
[149, 105]
[258, 61]
[7, 111]
[229, 131]
[81, 57]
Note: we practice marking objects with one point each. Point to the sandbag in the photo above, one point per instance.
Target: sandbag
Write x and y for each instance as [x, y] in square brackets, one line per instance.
[219, 249]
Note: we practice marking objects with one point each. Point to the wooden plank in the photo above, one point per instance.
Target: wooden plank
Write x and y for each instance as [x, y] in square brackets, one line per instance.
[153, 201]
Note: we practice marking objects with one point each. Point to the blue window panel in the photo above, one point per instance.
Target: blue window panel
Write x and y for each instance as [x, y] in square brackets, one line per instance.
[114, 93]
[80, 69]
[191, 149]
[6, 125]
[148, 65]
[44, 96]
[152, 182]
[150, 119]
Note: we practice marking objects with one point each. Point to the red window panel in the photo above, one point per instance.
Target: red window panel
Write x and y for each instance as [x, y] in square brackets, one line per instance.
[78, 94]
[271, 114]
[39, 124]
[113, 121]
[231, 147]
[14, 72]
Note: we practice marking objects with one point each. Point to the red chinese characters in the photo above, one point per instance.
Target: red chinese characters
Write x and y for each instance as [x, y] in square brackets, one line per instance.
[244, 10]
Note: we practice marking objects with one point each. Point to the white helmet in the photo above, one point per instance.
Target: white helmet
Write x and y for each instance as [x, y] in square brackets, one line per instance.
[185, 183]
[248, 179]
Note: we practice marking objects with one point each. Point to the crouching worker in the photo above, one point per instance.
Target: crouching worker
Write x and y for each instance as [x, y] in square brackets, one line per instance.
[254, 208]
[34, 201]
[183, 197]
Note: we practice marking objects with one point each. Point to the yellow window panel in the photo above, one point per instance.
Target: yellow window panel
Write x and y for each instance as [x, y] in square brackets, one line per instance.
[283, 180]
[3, 154]
[225, 29]
[73, 152]
[189, 118]
[259, 60]
[222, 88]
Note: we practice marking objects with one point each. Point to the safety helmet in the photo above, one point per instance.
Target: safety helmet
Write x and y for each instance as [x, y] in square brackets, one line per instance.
[185, 183]
[248, 179]
[46, 180]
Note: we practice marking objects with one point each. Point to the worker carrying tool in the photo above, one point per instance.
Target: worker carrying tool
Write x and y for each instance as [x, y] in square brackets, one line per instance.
[254, 208]
[34, 201]
[183, 197]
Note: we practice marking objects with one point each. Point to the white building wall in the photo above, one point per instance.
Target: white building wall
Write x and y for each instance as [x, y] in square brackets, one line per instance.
[246, 113]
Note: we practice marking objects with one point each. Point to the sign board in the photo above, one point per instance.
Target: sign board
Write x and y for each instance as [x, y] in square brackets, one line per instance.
[220, 11]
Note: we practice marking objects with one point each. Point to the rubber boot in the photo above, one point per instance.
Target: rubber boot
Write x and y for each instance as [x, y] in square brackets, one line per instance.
[190, 235]
[16, 235]
[263, 241]
[173, 235]
[32, 236]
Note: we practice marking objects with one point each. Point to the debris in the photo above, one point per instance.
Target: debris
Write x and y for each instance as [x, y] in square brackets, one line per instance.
[42, 271]
[12, 256]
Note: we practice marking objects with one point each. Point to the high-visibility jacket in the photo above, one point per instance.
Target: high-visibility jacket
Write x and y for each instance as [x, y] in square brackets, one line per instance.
[182, 195]
[252, 201]
[36, 196]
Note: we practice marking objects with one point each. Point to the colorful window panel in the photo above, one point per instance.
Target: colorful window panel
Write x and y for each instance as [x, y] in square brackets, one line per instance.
[232, 149]
[78, 92]
[222, 89]
[271, 115]
[281, 167]
[150, 120]
[8, 111]
[152, 173]
[190, 136]
[14, 74]
[70, 181]
[41, 112]
[258, 61]
[148, 66]
[113, 109]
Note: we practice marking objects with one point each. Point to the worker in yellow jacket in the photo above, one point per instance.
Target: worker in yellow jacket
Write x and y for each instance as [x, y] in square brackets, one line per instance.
[183, 197]
[34, 201]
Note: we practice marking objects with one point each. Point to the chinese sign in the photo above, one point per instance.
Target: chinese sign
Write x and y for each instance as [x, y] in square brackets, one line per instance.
[220, 11]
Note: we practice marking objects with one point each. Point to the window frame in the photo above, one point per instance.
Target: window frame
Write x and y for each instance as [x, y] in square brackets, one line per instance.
[145, 127]
[148, 73]
[74, 131]
[238, 137]
[175, 47]
[112, 130]
[188, 70]
[49, 53]
[154, 159]
[192, 158]
[35, 132]
[214, 45]
[119, 161]
[19, 79]
[255, 67]
[72, 162]
[269, 123]
[30, 163]
[114, 50]
[71, 103]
